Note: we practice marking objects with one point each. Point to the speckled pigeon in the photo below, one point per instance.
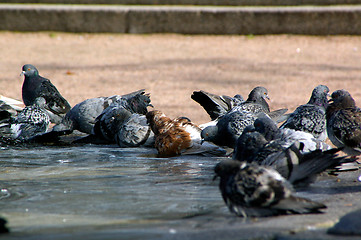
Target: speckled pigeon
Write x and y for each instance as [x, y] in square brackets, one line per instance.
[250, 190]
[31, 121]
[286, 137]
[297, 166]
[311, 117]
[256, 101]
[228, 128]
[36, 86]
[344, 122]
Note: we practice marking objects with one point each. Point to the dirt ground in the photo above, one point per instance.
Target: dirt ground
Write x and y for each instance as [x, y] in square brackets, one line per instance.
[171, 67]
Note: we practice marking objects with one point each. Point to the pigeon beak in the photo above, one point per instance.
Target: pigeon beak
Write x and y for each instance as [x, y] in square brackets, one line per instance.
[267, 97]
[22, 73]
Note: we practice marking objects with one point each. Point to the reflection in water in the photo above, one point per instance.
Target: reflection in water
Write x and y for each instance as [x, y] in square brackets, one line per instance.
[100, 185]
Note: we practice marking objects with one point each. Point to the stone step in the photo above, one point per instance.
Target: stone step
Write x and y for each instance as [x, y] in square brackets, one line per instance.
[196, 2]
[310, 20]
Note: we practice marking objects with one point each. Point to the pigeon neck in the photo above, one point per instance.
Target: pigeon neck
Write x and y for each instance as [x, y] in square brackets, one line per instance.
[318, 101]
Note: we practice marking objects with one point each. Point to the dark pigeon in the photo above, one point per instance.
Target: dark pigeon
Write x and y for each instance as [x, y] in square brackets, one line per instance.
[216, 105]
[311, 117]
[348, 225]
[344, 122]
[36, 86]
[250, 190]
[3, 227]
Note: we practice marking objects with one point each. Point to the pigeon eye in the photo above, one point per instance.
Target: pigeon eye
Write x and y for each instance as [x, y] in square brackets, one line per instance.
[28, 69]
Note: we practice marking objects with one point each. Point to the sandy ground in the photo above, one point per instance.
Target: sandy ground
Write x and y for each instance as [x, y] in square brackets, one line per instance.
[171, 67]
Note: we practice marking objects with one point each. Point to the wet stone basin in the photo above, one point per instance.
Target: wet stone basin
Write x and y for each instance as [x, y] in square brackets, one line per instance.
[107, 192]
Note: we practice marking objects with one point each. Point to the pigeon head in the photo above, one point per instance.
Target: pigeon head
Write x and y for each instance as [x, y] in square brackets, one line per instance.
[227, 168]
[342, 99]
[29, 70]
[248, 144]
[209, 133]
[267, 127]
[319, 96]
[258, 93]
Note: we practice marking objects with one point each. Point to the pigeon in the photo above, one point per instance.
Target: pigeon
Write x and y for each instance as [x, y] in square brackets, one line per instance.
[298, 167]
[31, 121]
[108, 123]
[344, 122]
[311, 117]
[36, 86]
[83, 115]
[3, 227]
[256, 101]
[228, 128]
[215, 105]
[286, 136]
[179, 136]
[251, 190]
[231, 125]
[19, 127]
[134, 132]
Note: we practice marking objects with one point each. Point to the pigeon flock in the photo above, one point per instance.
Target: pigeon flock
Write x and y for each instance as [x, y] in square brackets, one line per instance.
[267, 154]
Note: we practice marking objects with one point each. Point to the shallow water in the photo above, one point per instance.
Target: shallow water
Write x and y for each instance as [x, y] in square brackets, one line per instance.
[54, 187]
[107, 192]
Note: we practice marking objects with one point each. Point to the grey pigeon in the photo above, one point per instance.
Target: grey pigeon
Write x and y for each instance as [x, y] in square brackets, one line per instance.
[83, 115]
[108, 123]
[36, 86]
[216, 105]
[250, 190]
[291, 162]
[256, 101]
[134, 132]
[344, 122]
[311, 117]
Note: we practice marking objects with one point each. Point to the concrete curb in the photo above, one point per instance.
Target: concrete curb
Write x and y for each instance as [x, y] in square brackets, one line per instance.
[310, 20]
[196, 2]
